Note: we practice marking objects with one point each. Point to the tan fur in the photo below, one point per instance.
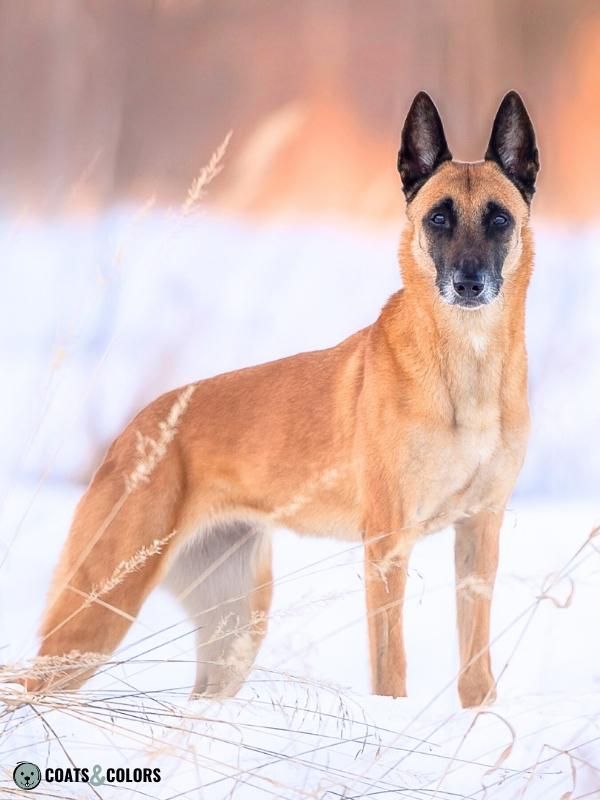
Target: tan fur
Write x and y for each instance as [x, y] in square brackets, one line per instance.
[412, 424]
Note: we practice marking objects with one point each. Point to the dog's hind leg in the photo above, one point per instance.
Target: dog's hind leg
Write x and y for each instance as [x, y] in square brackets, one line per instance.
[113, 557]
[223, 579]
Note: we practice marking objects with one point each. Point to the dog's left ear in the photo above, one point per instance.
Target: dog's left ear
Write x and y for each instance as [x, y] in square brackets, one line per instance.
[423, 147]
[512, 145]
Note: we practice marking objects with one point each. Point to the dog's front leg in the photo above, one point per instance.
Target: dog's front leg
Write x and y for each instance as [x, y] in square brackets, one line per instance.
[387, 552]
[476, 560]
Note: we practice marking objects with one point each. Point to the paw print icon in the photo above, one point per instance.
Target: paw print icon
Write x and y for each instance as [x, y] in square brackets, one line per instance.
[27, 775]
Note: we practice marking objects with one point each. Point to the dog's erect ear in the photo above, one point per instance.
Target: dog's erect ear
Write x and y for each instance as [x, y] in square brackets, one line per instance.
[512, 145]
[423, 147]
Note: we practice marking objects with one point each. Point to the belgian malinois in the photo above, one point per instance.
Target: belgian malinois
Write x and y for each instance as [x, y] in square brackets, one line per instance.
[415, 423]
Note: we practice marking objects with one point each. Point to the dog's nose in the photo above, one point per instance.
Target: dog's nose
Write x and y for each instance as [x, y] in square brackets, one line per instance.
[468, 280]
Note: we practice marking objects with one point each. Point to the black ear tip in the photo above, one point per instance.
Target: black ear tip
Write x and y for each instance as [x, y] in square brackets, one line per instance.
[512, 101]
[422, 97]
[422, 102]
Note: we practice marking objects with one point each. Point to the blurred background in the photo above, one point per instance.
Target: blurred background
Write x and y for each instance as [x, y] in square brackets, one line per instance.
[124, 274]
[105, 101]
[114, 289]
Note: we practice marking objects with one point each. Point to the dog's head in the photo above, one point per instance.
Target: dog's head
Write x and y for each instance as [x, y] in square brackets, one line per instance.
[467, 218]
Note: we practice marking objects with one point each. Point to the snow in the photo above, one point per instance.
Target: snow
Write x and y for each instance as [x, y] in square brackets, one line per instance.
[98, 316]
[305, 724]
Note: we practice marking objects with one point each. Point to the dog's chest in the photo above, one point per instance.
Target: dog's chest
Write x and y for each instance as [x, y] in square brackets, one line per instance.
[467, 462]
[451, 456]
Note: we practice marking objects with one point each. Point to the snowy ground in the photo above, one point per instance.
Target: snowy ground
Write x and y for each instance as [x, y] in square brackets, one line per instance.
[305, 725]
[96, 318]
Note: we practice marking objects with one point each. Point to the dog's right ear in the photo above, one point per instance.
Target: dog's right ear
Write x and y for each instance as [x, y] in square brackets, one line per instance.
[423, 147]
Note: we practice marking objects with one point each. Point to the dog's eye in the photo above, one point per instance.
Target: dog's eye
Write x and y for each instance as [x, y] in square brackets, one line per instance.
[499, 220]
[439, 219]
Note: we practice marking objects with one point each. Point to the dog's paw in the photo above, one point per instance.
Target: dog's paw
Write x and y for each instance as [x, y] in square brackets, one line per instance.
[476, 689]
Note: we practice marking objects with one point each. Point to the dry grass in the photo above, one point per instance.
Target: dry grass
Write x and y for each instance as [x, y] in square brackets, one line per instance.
[205, 177]
[162, 725]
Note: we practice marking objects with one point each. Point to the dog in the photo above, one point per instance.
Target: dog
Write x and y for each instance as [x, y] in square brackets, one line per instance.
[415, 423]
